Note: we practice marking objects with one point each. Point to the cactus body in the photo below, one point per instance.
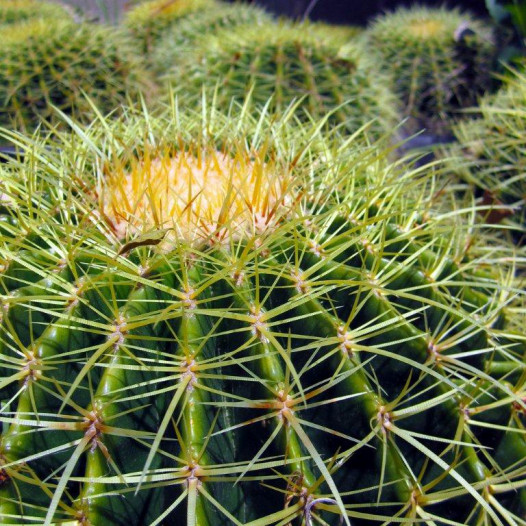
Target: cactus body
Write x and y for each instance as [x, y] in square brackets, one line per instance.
[44, 64]
[151, 19]
[14, 11]
[493, 147]
[201, 25]
[343, 33]
[439, 59]
[288, 63]
[262, 346]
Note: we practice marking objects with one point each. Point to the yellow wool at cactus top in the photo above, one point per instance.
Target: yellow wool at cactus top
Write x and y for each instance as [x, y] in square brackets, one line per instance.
[209, 195]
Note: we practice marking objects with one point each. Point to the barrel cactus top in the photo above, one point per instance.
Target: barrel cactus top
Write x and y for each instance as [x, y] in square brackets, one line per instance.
[45, 64]
[150, 19]
[200, 25]
[343, 33]
[440, 59]
[12, 11]
[290, 335]
[493, 146]
[289, 63]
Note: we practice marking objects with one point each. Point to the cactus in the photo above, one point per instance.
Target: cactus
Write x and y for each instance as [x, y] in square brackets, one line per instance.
[439, 59]
[200, 25]
[44, 64]
[13, 11]
[289, 62]
[149, 20]
[344, 33]
[492, 151]
[217, 320]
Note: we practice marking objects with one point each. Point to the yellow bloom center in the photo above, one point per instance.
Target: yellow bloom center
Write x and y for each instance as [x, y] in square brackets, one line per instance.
[426, 28]
[207, 197]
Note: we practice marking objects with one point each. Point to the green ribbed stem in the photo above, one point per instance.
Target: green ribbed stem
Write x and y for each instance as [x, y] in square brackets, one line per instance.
[415, 347]
[117, 377]
[271, 369]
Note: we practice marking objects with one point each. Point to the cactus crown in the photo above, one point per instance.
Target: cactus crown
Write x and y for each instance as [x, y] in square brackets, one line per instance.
[163, 9]
[423, 25]
[200, 25]
[149, 20]
[344, 34]
[426, 28]
[31, 29]
[196, 195]
[12, 11]
[352, 361]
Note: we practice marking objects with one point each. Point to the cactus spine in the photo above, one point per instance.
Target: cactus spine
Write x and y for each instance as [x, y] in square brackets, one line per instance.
[298, 342]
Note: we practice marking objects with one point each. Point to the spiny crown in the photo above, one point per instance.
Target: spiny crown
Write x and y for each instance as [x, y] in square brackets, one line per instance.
[150, 19]
[196, 196]
[201, 190]
[343, 34]
[427, 25]
[163, 9]
[193, 190]
[31, 30]
[426, 28]
[12, 11]
[201, 25]
[277, 37]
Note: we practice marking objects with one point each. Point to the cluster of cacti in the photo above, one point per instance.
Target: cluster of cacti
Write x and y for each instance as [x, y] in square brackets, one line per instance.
[439, 59]
[14, 11]
[46, 65]
[233, 321]
[149, 20]
[494, 147]
[280, 64]
[229, 312]
[200, 25]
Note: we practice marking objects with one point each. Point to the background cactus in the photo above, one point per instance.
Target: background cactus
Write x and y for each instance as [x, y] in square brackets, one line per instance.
[12, 11]
[200, 25]
[149, 20]
[44, 64]
[439, 59]
[296, 337]
[287, 63]
[493, 153]
[344, 33]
